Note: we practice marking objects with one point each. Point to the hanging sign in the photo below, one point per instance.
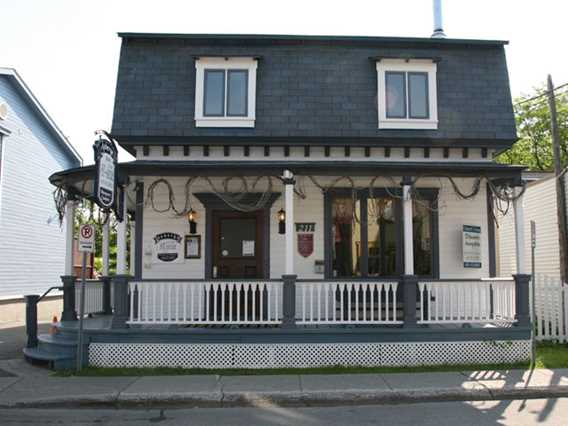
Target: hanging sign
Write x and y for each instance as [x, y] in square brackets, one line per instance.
[87, 238]
[168, 247]
[106, 173]
[471, 246]
[306, 244]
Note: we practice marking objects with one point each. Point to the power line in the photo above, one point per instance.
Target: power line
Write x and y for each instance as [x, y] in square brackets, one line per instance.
[540, 95]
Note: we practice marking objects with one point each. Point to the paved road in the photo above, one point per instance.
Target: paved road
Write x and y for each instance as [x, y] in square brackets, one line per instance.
[13, 339]
[480, 413]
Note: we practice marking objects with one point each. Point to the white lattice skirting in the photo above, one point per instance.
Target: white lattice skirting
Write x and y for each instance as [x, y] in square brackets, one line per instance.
[281, 355]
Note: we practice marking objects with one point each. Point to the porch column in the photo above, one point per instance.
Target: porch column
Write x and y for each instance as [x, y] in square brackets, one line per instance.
[289, 278]
[106, 279]
[69, 312]
[520, 233]
[522, 279]
[131, 261]
[120, 315]
[409, 281]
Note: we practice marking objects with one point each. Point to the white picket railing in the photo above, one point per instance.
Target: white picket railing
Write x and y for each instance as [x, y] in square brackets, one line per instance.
[93, 296]
[476, 301]
[551, 308]
[203, 302]
[346, 302]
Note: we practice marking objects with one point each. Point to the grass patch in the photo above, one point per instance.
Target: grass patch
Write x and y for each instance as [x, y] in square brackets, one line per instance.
[164, 371]
[548, 356]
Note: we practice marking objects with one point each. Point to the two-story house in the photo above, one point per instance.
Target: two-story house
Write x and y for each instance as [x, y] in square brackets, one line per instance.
[310, 200]
[32, 244]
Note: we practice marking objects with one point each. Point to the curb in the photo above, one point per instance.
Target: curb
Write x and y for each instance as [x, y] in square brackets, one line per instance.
[309, 398]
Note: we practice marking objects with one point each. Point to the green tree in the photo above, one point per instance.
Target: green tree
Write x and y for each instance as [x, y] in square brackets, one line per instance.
[534, 147]
[83, 215]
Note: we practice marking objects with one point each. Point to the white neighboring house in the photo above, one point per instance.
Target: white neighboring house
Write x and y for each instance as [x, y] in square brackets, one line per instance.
[539, 205]
[32, 147]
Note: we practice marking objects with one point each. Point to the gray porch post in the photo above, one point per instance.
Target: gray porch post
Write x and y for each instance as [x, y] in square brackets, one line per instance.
[289, 301]
[522, 300]
[522, 279]
[409, 281]
[107, 286]
[69, 311]
[120, 315]
[31, 319]
[289, 278]
[410, 294]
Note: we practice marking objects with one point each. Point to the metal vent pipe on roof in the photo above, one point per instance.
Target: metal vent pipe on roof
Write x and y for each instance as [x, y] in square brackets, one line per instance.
[438, 28]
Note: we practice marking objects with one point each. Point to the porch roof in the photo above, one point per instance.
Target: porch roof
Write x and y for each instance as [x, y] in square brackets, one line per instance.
[80, 178]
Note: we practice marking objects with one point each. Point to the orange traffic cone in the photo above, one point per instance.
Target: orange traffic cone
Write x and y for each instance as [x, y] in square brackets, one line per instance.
[53, 326]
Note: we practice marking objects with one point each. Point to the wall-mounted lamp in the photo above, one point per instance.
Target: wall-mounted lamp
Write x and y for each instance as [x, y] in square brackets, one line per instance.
[281, 221]
[192, 217]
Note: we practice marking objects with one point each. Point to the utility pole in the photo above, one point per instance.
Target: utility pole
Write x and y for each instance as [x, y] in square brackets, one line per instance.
[560, 187]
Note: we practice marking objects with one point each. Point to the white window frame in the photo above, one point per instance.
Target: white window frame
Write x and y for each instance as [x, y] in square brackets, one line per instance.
[230, 63]
[403, 65]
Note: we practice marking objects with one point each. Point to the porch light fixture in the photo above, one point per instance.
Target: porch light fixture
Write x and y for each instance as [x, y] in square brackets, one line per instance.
[281, 221]
[191, 217]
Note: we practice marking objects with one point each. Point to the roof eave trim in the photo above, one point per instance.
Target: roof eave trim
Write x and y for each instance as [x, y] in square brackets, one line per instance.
[10, 72]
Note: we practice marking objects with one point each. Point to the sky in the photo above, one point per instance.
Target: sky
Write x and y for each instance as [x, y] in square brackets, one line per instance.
[67, 50]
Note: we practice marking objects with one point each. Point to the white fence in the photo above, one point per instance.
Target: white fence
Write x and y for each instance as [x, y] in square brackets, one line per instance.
[93, 296]
[346, 302]
[202, 302]
[551, 308]
[476, 301]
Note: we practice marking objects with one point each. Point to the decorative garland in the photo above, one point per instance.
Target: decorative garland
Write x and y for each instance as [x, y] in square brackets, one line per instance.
[503, 194]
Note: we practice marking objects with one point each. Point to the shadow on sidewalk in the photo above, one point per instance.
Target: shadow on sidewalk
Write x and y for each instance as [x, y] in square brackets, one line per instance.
[13, 339]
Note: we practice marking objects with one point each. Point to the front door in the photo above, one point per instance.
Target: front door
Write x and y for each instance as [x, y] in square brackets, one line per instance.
[237, 245]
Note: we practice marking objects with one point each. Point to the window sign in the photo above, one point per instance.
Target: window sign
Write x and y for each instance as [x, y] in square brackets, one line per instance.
[471, 243]
[248, 247]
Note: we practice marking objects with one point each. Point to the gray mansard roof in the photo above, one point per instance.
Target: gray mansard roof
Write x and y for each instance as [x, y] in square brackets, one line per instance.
[312, 88]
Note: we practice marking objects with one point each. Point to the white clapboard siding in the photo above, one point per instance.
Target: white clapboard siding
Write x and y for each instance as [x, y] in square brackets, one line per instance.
[539, 203]
[205, 302]
[348, 302]
[453, 214]
[32, 243]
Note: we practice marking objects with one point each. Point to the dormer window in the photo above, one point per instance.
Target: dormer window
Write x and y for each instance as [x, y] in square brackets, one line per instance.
[225, 92]
[407, 94]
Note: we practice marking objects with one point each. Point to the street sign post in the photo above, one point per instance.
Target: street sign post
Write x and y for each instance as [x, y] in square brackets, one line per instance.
[533, 292]
[86, 246]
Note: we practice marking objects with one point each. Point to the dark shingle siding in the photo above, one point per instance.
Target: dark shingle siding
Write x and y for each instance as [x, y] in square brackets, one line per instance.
[310, 91]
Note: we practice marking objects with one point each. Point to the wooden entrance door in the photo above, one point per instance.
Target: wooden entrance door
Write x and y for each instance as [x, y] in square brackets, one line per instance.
[237, 245]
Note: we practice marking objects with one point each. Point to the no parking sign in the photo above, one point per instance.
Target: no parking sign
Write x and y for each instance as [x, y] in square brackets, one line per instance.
[87, 238]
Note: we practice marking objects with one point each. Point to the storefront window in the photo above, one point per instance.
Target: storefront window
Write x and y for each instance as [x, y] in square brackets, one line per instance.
[381, 235]
[367, 236]
[422, 227]
[346, 236]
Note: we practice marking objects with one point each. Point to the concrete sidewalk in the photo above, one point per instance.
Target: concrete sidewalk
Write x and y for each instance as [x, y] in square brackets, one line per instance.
[35, 387]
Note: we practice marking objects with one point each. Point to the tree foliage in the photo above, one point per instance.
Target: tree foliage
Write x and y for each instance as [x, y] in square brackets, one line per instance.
[88, 213]
[534, 147]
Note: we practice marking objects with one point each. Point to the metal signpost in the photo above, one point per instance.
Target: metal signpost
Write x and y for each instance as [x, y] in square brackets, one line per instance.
[533, 292]
[86, 246]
